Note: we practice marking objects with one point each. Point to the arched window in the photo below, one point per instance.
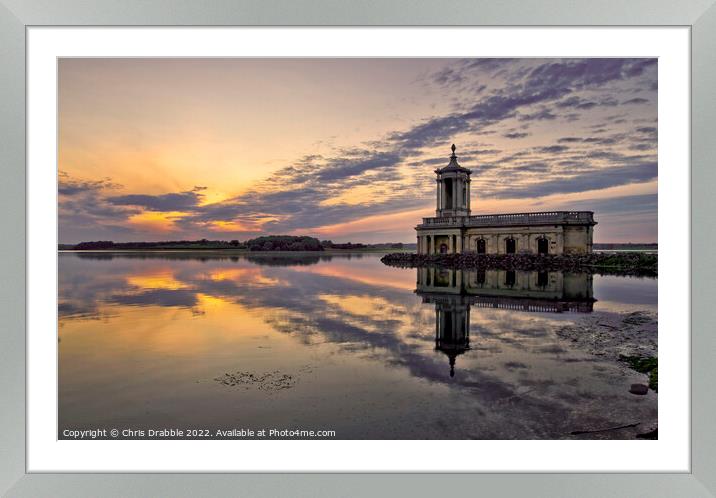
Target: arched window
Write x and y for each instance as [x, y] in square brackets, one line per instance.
[447, 202]
[510, 246]
[542, 245]
[481, 246]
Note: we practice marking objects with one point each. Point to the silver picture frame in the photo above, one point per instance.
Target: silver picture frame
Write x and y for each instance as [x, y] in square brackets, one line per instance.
[17, 15]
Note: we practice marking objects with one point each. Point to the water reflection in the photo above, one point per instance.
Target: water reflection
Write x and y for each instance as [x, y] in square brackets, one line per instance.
[454, 292]
[264, 259]
[373, 354]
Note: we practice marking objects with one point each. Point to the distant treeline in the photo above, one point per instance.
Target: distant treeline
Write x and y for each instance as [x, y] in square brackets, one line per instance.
[266, 243]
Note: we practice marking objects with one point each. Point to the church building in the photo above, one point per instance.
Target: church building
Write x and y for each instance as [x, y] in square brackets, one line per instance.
[454, 230]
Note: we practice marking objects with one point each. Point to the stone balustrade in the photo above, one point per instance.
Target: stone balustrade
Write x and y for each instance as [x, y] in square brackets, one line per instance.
[512, 219]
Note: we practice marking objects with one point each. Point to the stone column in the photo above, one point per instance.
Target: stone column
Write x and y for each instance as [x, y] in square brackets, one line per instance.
[468, 196]
[431, 244]
[560, 243]
[458, 243]
[450, 244]
[439, 194]
[454, 193]
[458, 196]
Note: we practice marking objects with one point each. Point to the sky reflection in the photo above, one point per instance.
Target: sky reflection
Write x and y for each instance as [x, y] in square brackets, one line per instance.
[362, 338]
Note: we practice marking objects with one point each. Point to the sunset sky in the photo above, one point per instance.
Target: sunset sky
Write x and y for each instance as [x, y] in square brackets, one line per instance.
[345, 149]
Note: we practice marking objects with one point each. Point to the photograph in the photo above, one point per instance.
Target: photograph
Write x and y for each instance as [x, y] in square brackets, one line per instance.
[357, 248]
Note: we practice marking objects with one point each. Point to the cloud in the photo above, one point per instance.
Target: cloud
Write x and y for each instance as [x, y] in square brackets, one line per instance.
[461, 71]
[552, 149]
[83, 208]
[586, 73]
[515, 135]
[590, 180]
[611, 140]
[538, 116]
[580, 103]
[68, 186]
[637, 100]
[576, 103]
[341, 168]
[616, 205]
[182, 201]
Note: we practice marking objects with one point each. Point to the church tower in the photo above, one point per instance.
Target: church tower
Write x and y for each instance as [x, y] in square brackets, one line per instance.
[453, 195]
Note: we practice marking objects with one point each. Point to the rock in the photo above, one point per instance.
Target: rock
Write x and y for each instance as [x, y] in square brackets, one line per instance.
[639, 389]
[603, 263]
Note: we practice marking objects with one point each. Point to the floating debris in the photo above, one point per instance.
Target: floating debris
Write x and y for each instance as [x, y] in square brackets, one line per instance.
[267, 381]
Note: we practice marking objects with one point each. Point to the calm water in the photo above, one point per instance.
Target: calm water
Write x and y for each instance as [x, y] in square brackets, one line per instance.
[340, 343]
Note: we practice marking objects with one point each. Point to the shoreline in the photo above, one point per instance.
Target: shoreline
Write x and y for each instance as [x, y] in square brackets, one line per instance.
[232, 251]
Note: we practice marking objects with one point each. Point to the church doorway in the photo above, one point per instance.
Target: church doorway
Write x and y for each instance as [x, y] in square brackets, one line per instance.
[481, 246]
[510, 246]
[443, 248]
[542, 246]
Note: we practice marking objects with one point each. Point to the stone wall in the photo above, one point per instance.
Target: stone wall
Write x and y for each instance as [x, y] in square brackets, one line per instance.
[526, 239]
[578, 239]
[561, 239]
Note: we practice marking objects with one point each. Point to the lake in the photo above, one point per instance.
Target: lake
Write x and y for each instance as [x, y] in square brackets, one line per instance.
[344, 343]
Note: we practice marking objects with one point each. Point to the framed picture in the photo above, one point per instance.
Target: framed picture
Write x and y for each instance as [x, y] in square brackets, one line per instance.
[384, 244]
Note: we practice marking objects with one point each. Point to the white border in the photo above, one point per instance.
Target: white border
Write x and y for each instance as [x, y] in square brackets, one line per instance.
[670, 453]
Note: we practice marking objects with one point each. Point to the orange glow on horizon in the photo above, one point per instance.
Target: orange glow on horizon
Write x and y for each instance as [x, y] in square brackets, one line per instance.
[157, 221]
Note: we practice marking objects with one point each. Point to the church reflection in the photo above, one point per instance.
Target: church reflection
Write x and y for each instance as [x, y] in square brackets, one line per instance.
[454, 292]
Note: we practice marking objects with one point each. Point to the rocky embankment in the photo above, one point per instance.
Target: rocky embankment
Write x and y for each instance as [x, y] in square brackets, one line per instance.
[627, 263]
